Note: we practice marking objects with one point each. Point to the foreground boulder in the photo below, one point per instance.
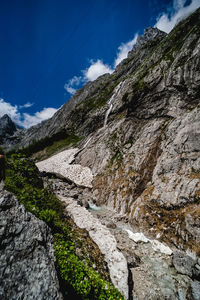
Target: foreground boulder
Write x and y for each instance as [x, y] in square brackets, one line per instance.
[27, 268]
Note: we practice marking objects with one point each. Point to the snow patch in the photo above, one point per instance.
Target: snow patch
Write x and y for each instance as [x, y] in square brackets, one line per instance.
[137, 237]
[106, 242]
[61, 164]
[156, 245]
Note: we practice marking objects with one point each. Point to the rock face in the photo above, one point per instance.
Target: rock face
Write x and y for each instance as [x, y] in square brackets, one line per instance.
[149, 35]
[7, 126]
[27, 268]
[8, 131]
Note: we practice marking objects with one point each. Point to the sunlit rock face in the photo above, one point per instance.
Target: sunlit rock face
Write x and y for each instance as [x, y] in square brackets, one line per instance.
[140, 134]
[146, 161]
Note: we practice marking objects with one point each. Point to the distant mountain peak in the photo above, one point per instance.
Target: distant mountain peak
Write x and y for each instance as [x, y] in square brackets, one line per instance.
[5, 117]
[7, 127]
[149, 34]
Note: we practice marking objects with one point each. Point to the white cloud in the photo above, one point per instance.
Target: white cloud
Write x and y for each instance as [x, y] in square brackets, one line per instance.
[124, 48]
[26, 105]
[73, 84]
[91, 73]
[25, 120]
[9, 109]
[96, 69]
[167, 22]
[31, 120]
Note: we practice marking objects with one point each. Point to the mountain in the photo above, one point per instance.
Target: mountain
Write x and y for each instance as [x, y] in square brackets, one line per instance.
[137, 132]
[7, 126]
[9, 131]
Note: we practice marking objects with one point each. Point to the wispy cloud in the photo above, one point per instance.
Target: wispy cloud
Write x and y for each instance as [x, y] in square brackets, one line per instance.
[73, 84]
[26, 105]
[179, 11]
[123, 50]
[24, 119]
[96, 69]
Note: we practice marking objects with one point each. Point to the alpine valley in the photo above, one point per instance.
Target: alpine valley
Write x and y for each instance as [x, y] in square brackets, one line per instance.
[115, 175]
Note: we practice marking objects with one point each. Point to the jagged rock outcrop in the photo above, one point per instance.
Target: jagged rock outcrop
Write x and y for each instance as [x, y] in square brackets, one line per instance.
[7, 126]
[27, 268]
[8, 131]
[146, 161]
[149, 35]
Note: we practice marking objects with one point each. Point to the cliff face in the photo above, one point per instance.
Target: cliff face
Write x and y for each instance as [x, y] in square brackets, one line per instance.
[141, 129]
[146, 159]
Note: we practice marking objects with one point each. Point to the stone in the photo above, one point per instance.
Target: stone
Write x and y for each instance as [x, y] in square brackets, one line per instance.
[195, 289]
[111, 225]
[9, 131]
[27, 269]
[184, 264]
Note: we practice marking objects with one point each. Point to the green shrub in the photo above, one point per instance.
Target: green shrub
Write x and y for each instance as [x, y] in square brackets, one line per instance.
[87, 282]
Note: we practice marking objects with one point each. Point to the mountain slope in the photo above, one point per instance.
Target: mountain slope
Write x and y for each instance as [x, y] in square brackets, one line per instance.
[147, 155]
[138, 133]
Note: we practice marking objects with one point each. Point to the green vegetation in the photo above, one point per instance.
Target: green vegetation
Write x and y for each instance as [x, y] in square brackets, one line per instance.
[80, 113]
[84, 279]
[52, 144]
[23, 180]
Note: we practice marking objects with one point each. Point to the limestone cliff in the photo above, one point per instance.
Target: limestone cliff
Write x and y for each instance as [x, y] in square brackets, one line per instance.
[146, 160]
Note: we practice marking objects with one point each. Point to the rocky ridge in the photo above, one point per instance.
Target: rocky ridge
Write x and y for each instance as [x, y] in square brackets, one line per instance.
[9, 132]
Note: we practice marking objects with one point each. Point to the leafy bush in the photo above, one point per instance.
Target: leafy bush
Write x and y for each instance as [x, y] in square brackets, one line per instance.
[83, 279]
[25, 169]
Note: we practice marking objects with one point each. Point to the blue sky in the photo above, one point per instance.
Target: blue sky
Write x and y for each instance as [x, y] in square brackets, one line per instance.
[50, 48]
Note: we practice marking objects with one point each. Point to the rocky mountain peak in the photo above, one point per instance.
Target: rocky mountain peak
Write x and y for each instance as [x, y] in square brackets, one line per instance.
[9, 132]
[7, 126]
[149, 34]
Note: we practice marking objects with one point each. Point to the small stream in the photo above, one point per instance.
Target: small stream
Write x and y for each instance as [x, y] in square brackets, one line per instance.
[151, 258]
